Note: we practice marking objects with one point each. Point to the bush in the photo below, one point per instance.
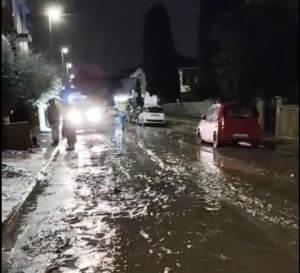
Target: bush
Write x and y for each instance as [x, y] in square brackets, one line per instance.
[34, 76]
[24, 76]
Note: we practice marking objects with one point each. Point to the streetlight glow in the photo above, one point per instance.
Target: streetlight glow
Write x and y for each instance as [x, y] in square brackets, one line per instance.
[54, 13]
[68, 66]
[72, 76]
[65, 50]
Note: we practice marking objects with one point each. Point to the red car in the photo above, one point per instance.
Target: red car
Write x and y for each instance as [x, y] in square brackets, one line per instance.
[229, 122]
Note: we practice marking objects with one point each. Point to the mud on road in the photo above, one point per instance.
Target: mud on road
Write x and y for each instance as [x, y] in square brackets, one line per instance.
[150, 200]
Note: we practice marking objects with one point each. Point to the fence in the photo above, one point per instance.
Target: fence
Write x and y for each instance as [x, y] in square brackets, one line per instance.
[287, 122]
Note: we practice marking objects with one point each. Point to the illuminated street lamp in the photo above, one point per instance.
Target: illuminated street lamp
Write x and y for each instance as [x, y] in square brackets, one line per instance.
[68, 66]
[72, 76]
[64, 50]
[54, 15]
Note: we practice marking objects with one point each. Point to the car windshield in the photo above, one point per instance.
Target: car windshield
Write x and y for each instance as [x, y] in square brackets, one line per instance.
[239, 111]
[154, 110]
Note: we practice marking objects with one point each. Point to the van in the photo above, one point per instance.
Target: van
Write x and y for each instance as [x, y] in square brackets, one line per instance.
[229, 122]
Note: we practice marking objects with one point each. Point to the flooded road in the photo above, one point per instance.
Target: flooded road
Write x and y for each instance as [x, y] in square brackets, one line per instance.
[150, 200]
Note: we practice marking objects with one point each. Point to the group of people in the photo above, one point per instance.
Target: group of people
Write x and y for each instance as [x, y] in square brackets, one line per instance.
[56, 115]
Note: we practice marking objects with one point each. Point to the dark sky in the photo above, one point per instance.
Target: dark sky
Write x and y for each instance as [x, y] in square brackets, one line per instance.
[107, 35]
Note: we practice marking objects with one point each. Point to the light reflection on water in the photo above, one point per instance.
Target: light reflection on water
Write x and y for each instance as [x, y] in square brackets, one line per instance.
[139, 208]
[208, 158]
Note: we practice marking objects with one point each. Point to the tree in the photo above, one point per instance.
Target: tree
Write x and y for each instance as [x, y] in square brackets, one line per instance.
[139, 99]
[248, 50]
[8, 76]
[24, 76]
[34, 76]
[159, 56]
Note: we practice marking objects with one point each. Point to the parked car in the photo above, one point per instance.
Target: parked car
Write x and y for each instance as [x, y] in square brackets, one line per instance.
[151, 115]
[229, 122]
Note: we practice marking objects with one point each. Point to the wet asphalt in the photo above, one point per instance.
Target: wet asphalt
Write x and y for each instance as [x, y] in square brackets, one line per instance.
[150, 200]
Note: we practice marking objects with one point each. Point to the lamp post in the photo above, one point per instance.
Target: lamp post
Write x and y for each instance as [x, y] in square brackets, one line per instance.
[64, 50]
[54, 15]
[68, 66]
[72, 76]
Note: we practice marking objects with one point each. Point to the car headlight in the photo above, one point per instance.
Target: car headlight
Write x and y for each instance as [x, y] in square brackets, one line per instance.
[75, 117]
[93, 115]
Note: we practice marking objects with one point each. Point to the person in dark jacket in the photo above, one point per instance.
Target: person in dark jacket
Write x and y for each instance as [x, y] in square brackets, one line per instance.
[54, 118]
[69, 131]
[33, 121]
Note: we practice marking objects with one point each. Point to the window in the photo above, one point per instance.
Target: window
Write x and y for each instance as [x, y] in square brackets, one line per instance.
[154, 110]
[239, 111]
[213, 113]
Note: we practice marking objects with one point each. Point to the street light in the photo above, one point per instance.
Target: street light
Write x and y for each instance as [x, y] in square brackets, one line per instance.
[72, 76]
[68, 66]
[54, 15]
[64, 50]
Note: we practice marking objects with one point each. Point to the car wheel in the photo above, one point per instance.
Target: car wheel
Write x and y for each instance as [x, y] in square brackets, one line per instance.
[198, 138]
[216, 142]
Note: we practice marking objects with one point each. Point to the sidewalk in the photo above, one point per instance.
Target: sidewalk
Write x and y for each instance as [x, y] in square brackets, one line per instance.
[286, 146]
[20, 173]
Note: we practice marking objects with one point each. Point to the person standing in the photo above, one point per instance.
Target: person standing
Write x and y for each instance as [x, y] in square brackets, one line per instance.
[33, 121]
[123, 118]
[54, 118]
[68, 129]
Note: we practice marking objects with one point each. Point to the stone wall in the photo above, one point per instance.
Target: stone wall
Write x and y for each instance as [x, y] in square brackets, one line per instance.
[187, 109]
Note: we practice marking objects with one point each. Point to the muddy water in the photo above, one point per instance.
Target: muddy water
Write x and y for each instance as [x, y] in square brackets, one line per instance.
[151, 201]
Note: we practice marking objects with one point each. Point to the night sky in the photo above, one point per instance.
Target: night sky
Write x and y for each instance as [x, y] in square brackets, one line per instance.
[106, 36]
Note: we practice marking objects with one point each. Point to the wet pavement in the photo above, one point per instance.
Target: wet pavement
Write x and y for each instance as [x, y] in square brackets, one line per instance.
[19, 169]
[150, 200]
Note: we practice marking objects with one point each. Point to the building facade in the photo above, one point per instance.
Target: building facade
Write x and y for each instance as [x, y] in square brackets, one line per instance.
[188, 78]
[16, 24]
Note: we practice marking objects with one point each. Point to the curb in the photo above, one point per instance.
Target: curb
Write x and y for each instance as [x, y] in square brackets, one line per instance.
[16, 209]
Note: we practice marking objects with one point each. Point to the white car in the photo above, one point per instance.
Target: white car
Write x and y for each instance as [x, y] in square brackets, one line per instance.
[151, 115]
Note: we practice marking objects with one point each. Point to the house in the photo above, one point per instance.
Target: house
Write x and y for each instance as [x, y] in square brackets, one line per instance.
[187, 74]
[188, 78]
[16, 24]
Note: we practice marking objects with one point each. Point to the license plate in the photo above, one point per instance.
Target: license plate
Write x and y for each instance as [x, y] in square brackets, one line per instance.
[240, 135]
[154, 115]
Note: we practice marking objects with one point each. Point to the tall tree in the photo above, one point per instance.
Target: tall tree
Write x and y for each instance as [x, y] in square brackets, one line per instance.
[159, 57]
[248, 49]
